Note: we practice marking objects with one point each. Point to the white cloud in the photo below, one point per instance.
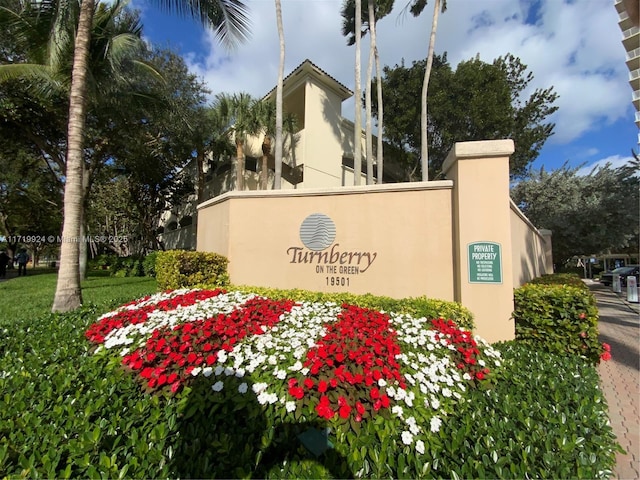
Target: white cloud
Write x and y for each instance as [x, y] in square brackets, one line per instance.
[574, 47]
[614, 161]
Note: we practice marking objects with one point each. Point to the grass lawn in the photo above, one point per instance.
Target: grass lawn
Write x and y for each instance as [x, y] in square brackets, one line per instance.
[70, 413]
[31, 297]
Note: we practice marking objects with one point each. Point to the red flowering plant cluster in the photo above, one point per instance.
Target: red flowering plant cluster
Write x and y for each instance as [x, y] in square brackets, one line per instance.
[343, 364]
[467, 355]
[349, 365]
[137, 312]
[171, 354]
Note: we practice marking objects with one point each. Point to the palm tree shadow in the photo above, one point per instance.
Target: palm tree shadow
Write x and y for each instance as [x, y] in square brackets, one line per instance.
[234, 438]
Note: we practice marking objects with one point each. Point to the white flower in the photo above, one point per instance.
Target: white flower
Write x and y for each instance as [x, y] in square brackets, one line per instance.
[420, 447]
[290, 406]
[218, 386]
[240, 373]
[206, 371]
[243, 387]
[259, 387]
[407, 438]
[446, 392]
[435, 403]
[219, 370]
[397, 410]
[196, 371]
[436, 423]
[382, 382]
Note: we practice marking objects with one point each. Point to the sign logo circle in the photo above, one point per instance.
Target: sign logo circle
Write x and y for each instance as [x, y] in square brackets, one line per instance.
[317, 232]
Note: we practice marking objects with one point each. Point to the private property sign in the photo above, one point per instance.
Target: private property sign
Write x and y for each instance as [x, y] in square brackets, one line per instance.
[485, 262]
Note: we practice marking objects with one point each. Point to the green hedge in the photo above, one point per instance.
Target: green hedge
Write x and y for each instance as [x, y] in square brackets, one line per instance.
[570, 279]
[560, 319]
[184, 269]
[416, 307]
[547, 418]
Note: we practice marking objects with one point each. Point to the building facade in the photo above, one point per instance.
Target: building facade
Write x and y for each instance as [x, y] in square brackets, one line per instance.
[318, 153]
[629, 21]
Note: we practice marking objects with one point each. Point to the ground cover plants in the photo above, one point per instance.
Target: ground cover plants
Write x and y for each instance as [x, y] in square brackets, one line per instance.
[77, 401]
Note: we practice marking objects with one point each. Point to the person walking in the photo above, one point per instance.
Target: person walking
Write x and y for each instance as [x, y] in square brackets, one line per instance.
[22, 259]
[4, 261]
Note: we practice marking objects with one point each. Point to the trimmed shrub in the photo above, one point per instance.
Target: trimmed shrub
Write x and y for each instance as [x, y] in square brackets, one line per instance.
[149, 264]
[570, 279]
[127, 267]
[559, 319]
[183, 269]
[547, 418]
[416, 307]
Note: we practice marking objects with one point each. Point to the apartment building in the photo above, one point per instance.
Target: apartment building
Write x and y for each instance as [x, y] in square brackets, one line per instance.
[629, 21]
[317, 154]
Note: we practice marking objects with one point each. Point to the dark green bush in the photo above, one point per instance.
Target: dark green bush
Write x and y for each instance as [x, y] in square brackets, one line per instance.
[149, 264]
[68, 413]
[103, 261]
[416, 307]
[570, 279]
[546, 419]
[127, 267]
[183, 269]
[559, 319]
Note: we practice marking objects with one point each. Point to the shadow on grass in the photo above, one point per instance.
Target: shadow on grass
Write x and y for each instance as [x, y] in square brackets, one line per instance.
[234, 438]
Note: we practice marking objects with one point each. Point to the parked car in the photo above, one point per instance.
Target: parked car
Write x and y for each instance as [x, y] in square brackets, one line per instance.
[606, 278]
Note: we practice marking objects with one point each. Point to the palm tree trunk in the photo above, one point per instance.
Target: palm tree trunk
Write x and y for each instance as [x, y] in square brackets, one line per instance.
[200, 165]
[367, 101]
[266, 150]
[380, 149]
[278, 153]
[68, 292]
[239, 164]
[357, 127]
[424, 146]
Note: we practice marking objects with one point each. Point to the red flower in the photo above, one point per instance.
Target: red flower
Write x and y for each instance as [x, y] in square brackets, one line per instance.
[308, 383]
[605, 356]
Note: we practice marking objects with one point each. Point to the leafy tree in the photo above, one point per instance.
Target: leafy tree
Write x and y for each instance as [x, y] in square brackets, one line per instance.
[228, 16]
[587, 214]
[476, 101]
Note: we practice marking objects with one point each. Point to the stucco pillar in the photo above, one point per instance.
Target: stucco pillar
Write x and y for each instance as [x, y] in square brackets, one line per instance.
[482, 234]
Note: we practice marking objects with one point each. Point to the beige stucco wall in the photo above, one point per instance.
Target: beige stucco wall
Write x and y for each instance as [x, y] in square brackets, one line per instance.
[480, 172]
[402, 231]
[399, 240]
[531, 249]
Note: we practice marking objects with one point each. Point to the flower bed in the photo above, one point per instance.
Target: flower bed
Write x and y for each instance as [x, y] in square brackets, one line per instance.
[304, 361]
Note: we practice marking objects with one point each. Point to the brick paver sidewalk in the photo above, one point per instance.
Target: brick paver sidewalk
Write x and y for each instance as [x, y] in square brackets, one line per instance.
[619, 326]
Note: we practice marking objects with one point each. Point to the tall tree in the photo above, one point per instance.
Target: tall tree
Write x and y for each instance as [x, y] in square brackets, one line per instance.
[375, 10]
[278, 177]
[416, 9]
[229, 18]
[357, 127]
[245, 115]
[587, 214]
[477, 101]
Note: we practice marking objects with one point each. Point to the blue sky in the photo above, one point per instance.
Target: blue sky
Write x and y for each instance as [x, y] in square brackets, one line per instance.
[574, 46]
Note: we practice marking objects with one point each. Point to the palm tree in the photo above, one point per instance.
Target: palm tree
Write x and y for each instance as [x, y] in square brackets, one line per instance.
[245, 115]
[416, 9]
[278, 179]
[229, 19]
[376, 9]
[44, 31]
[357, 127]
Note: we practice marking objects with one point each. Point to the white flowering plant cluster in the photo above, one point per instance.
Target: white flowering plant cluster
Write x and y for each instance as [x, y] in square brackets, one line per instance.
[295, 369]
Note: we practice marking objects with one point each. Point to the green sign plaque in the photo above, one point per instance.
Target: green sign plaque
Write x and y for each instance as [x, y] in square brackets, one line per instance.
[485, 262]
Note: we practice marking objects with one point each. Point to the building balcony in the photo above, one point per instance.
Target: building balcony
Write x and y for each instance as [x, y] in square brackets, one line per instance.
[633, 59]
[631, 38]
[624, 20]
